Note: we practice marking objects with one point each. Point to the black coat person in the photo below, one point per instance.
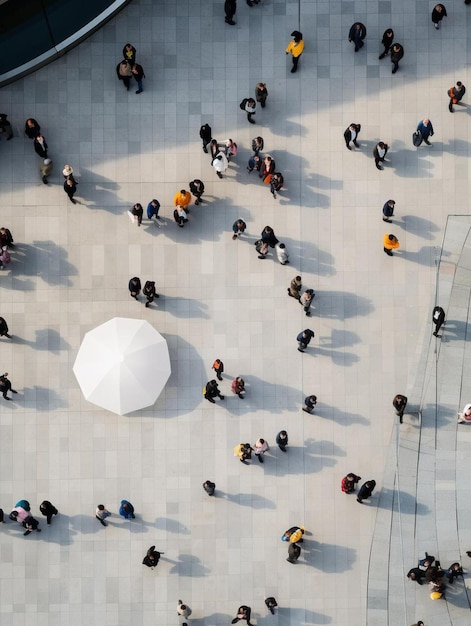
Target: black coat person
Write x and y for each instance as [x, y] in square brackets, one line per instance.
[397, 52]
[32, 128]
[366, 490]
[149, 292]
[209, 487]
[206, 136]
[357, 34]
[4, 328]
[48, 510]
[152, 557]
[438, 318]
[388, 38]
[40, 146]
[400, 403]
[271, 603]
[294, 552]
[134, 287]
[351, 135]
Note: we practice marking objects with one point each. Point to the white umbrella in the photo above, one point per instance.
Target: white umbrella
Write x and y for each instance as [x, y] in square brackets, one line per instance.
[122, 365]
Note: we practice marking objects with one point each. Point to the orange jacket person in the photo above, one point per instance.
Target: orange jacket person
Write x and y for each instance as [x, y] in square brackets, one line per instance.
[390, 243]
[182, 198]
[296, 48]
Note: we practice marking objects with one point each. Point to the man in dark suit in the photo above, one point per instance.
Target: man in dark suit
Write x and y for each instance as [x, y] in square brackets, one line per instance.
[351, 135]
[357, 34]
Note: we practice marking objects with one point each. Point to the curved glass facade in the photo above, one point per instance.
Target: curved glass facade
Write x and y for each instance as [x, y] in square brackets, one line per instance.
[34, 32]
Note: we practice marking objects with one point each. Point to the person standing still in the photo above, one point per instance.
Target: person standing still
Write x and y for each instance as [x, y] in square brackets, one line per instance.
[388, 210]
[124, 72]
[134, 287]
[399, 404]
[183, 610]
[438, 13]
[282, 440]
[101, 513]
[261, 94]
[295, 48]
[380, 151]
[390, 243]
[206, 136]
[70, 188]
[138, 73]
[230, 9]
[351, 135]
[388, 38]
[304, 338]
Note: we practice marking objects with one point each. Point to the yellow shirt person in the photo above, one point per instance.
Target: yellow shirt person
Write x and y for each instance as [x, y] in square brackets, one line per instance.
[295, 48]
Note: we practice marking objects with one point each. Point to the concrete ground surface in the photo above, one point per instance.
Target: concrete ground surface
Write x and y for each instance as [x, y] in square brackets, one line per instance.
[70, 270]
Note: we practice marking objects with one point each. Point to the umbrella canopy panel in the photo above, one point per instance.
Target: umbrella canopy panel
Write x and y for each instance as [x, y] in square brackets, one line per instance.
[122, 365]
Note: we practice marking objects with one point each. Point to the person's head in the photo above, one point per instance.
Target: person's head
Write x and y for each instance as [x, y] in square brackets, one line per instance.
[283, 434]
[412, 576]
[297, 35]
[391, 238]
[282, 246]
[420, 623]
[389, 32]
[183, 192]
[183, 607]
[298, 279]
[313, 399]
[30, 122]
[47, 161]
[124, 63]
[391, 202]
[67, 170]
[154, 202]
[459, 84]
[101, 507]
[219, 157]
[438, 8]
[138, 205]
[426, 121]
[358, 25]
[262, 441]
[128, 46]
[381, 145]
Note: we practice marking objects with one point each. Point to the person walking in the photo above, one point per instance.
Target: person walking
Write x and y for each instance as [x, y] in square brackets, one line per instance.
[183, 610]
[45, 168]
[399, 404]
[397, 52]
[351, 135]
[294, 534]
[238, 387]
[387, 40]
[425, 128]
[152, 557]
[149, 292]
[230, 9]
[6, 238]
[456, 94]
[310, 403]
[129, 53]
[276, 184]
[70, 188]
[261, 94]
[209, 487]
[306, 300]
[267, 169]
[4, 328]
[220, 163]
[206, 135]
[271, 604]
[5, 386]
[40, 146]
[211, 391]
[438, 13]
[126, 510]
[390, 243]
[136, 213]
[139, 75]
[238, 228]
[294, 552]
[380, 151]
[349, 482]
[438, 319]
[357, 34]
[388, 210]
[197, 189]
[218, 367]
[260, 447]
[366, 490]
[304, 339]
[153, 209]
[250, 107]
[101, 513]
[134, 287]
[244, 452]
[243, 613]
[32, 128]
[453, 572]
[282, 440]
[294, 289]
[295, 48]
[48, 510]
[124, 72]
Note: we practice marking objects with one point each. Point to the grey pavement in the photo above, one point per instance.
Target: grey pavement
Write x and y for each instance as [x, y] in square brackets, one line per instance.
[70, 271]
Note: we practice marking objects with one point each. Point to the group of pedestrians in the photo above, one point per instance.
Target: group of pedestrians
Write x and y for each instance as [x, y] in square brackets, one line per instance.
[22, 514]
[430, 571]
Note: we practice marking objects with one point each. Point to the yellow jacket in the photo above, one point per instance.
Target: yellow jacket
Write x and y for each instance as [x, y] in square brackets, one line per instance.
[388, 244]
[296, 49]
[181, 199]
[239, 450]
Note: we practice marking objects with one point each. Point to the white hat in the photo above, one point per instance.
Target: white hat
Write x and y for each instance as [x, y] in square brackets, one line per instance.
[47, 161]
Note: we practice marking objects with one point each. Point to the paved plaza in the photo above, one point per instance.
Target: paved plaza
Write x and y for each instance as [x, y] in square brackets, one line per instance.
[372, 319]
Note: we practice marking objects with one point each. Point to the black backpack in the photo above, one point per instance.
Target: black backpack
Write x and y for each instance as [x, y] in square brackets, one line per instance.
[243, 103]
